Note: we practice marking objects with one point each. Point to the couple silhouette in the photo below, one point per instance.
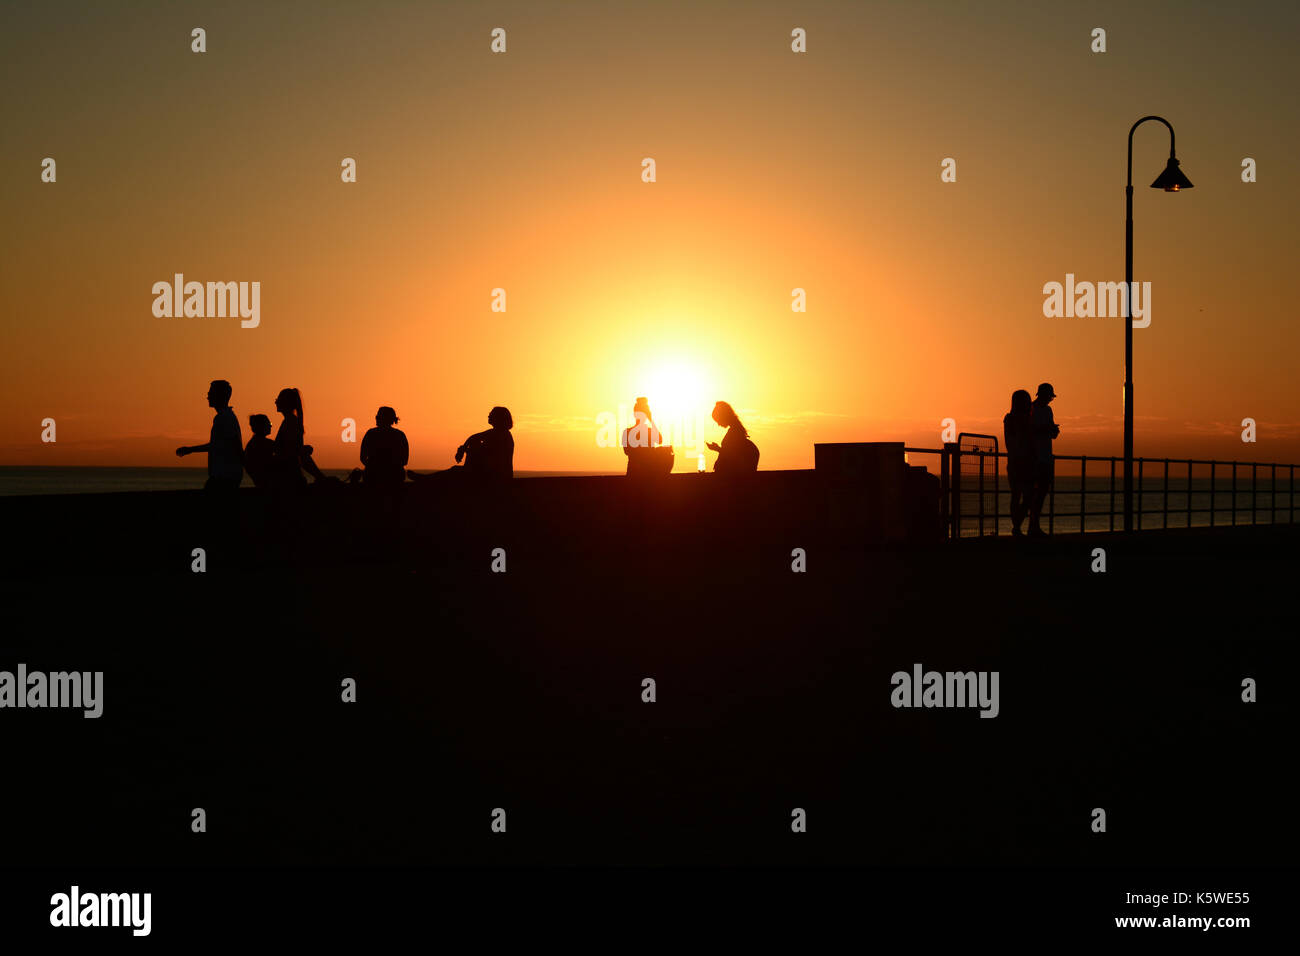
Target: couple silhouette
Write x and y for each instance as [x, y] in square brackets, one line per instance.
[1028, 431]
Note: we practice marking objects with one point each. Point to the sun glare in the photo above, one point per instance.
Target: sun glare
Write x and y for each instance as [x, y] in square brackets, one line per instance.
[678, 392]
[681, 397]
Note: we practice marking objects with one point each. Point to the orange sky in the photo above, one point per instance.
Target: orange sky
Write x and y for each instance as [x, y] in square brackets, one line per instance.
[523, 171]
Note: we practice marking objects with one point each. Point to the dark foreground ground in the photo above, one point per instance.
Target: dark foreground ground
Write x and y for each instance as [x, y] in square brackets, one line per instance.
[522, 690]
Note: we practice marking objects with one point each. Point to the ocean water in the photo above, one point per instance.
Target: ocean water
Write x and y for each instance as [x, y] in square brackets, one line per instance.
[50, 480]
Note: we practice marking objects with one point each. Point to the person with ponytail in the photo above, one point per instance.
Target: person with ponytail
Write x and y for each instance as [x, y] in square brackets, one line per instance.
[737, 455]
[287, 455]
[1018, 439]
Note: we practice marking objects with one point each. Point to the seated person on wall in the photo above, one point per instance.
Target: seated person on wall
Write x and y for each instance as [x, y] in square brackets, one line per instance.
[737, 455]
[384, 453]
[259, 451]
[643, 444]
[489, 456]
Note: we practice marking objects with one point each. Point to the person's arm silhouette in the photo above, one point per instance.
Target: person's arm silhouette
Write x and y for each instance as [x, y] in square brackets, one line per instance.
[472, 444]
[309, 464]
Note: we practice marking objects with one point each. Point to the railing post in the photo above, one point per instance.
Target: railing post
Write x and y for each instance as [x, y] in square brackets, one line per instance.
[1051, 501]
[1112, 494]
[1083, 493]
[1234, 494]
[1189, 492]
[1213, 467]
[1141, 462]
[979, 489]
[1272, 494]
[997, 492]
[954, 453]
[1165, 509]
[944, 489]
[1254, 488]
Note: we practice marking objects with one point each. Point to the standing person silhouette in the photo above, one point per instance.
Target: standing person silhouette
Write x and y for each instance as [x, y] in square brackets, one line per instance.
[1045, 430]
[1018, 436]
[384, 452]
[737, 455]
[225, 445]
[286, 457]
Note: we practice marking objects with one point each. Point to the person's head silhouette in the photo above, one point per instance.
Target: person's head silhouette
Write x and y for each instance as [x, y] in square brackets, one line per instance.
[726, 416]
[1020, 402]
[219, 393]
[1046, 393]
[499, 417]
[385, 417]
[641, 408]
[289, 402]
[259, 425]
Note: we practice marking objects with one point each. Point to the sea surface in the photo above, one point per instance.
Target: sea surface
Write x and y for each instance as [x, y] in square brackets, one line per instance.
[51, 480]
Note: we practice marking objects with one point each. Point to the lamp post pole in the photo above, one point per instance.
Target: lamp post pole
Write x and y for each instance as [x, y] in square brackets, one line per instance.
[1128, 318]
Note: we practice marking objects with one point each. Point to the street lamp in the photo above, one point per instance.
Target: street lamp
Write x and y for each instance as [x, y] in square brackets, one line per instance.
[1171, 180]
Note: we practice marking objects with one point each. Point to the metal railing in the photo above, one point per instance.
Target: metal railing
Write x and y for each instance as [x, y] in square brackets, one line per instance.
[1168, 492]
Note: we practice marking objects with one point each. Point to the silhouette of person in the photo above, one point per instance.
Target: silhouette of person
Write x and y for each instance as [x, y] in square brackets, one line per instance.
[287, 454]
[1045, 430]
[225, 446]
[643, 444]
[1018, 435]
[259, 451]
[384, 452]
[737, 455]
[489, 456]
[309, 466]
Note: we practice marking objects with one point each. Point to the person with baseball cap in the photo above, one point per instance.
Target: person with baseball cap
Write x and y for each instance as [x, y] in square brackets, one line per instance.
[1045, 430]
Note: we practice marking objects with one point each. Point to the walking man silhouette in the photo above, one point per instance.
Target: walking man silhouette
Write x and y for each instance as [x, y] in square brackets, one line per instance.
[1045, 431]
[225, 446]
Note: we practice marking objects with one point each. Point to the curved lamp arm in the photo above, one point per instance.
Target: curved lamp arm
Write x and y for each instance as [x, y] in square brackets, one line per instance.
[1133, 130]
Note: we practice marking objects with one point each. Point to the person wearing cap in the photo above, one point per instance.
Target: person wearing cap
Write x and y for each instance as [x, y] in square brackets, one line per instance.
[1045, 430]
[384, 452]
[639, 437]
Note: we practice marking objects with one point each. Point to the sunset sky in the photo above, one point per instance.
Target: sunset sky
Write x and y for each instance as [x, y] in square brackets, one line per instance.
[522, 171]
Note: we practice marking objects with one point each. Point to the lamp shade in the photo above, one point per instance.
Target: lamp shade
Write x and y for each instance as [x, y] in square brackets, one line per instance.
[1172, 179]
